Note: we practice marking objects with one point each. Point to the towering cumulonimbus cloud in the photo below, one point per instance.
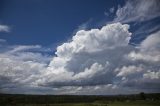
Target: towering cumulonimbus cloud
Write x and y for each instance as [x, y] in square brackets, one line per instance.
[90, 58]
[101, 57]
[97, 61]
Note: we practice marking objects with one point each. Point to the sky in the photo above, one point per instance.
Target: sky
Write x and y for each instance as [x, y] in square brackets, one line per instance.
[77, 47]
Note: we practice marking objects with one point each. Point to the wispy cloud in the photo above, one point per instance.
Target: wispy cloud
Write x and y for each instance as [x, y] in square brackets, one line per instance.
[138, 10]
[4, 28]
[111, 10]
[2, 40]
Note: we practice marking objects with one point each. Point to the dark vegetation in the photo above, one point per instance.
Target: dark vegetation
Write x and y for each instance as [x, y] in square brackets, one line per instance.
[13, 99]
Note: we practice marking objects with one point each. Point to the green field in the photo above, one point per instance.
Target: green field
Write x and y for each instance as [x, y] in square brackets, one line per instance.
[132, 103]
[80, 100]
[136, 103]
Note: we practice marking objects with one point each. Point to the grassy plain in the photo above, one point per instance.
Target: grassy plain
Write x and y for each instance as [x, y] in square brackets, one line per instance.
[81, 100]
[127, 103]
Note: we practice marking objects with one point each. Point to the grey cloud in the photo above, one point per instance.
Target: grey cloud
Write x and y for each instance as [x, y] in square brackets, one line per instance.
[149, 49]
[147, 56]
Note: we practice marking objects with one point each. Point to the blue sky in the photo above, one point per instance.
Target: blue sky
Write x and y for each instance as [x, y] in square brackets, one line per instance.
[52, 21]
[79, 46]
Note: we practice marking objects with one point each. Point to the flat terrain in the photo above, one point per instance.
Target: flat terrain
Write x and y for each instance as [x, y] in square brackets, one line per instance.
[132, 103]
[136, 103]
[81, 100]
